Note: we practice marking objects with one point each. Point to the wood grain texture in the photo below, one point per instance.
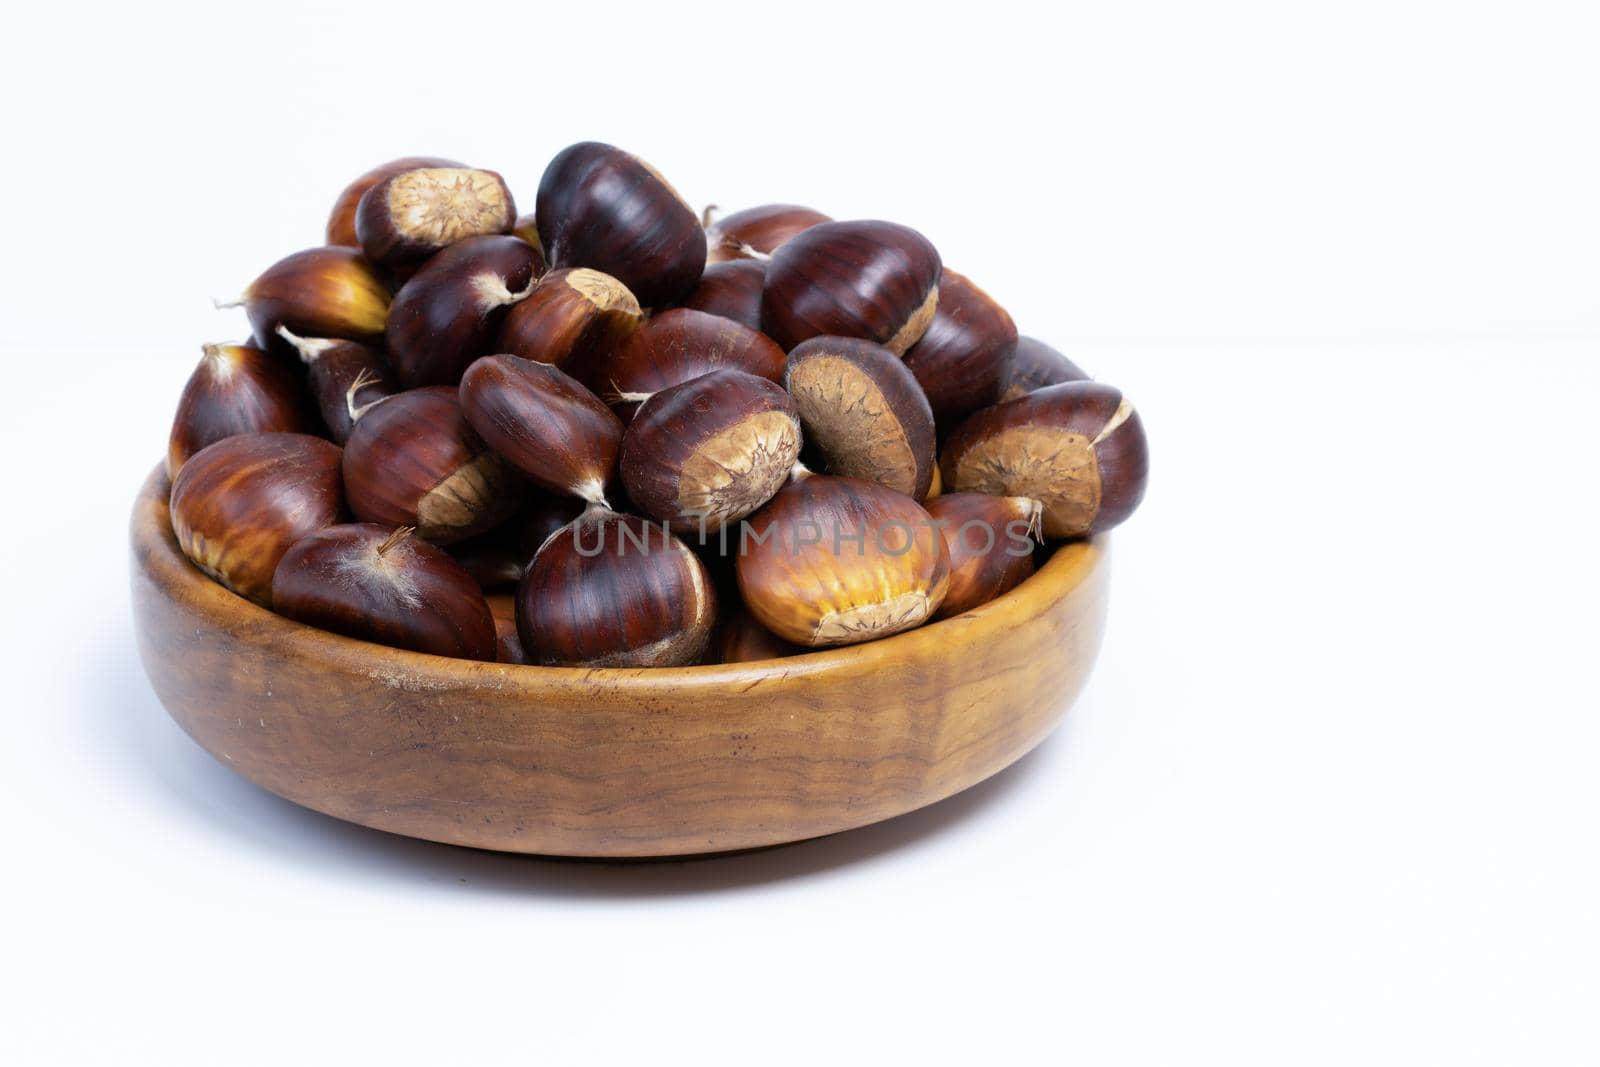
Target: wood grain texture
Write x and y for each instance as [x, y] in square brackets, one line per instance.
[611, 763]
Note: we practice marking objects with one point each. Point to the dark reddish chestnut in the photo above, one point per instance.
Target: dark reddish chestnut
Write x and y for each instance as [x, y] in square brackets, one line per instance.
[235, 389]
[677, 346]
[962, 360]
[739, 638]
[600, 207]
[572, 320]
[613, 590]
[876, 280]
[989, 541]
[320, 292]
[447, 315]
[546, 424]
[384, 585]
[344, 376]
[413, 460]
[1036, 365]
[864, 411]
[543, 514]
[407, 217]
[342, 220]
[756, 231]
[710, 451]
[835, 561]
[731, 290]
[1078, 448]
[239, 504]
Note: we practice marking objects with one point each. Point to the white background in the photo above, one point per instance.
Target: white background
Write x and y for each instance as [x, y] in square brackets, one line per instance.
[1331, 796]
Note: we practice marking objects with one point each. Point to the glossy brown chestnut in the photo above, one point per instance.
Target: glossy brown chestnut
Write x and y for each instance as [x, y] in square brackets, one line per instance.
[731, 290]
[343, 375]
[1078, 448]
[384, 585]
[407, 217]
[572, 320]
[677, 346]
[503, 606]
[711, 450]
[600, 207]
[989, 541]
[1036, 365]
[413, 460]
[320, 292]
[235, 389]
[756, 231]
[864, 411]
[543, 513]
[447, 315]
[962, 360]
[544, 423]
[613, 590]
[239, 504]
[342, 220]
[739, 638]
[876, 280]
[836, 561]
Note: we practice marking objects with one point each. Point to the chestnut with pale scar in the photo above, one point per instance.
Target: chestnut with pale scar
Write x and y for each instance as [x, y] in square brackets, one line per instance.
[409, 216]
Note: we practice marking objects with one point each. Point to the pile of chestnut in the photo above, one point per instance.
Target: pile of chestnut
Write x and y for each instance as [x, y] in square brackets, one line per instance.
[615, 433]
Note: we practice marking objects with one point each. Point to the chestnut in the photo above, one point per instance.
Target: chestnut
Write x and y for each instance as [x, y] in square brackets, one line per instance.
[731, 290]
[876, 280]
[739, 638]
[543, 514]
[546, 424]
[572, 319]
[962, 360]
[235, 389]
[320, 292]
[600, 207]
[447, 314]
[239, 504]
[384, 585]
[342, 219]
[334, 368]
[677, 346]
[407, 217]
[413, 460]
[864, 411]
[1036, 365]
[836, 561]
[711, 450]
[989, 541]
[756, 231]
[1078, 448]
[613, 590]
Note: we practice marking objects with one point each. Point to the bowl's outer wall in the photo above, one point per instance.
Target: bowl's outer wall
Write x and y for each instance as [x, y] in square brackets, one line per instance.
[611, 763]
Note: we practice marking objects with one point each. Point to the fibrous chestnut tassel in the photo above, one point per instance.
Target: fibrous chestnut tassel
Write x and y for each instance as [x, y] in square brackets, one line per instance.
[320, 292]
[739, 638]
[1078, 448]
[407, 217]
[989, 541]
[600, 207]
[342, 219]
[447, 315]
[343, 375]
[572, 319]
[962, 360]
[711, 450]
[731, 290]
[235, 389]
[677, 346]
[613, 590]
[875, 280]
[544, 423]
[413, 460]
[384, 585]
[239, 504]
[1035, 365]
[836, 561]
[864, 411]
[756, 231]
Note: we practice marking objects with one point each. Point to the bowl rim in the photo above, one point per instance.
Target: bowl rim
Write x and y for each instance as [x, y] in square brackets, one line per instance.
[156, 551]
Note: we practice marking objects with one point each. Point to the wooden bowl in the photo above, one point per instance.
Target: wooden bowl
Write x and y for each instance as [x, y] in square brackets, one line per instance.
[613, 762]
